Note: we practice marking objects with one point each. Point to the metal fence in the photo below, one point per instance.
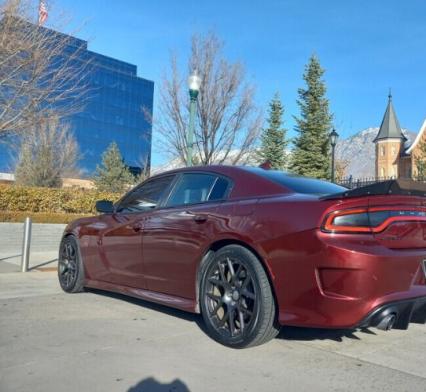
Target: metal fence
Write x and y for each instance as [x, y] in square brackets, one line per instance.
[353, 183]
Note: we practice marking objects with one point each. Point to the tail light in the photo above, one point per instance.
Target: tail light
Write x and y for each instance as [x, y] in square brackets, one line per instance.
[370, 220]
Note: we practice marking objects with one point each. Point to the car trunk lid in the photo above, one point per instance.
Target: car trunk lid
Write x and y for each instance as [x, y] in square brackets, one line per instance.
[395, 210]
[401, 221]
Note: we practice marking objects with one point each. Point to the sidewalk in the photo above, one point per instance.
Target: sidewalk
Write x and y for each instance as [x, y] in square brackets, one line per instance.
[38, 261]
[45, 239]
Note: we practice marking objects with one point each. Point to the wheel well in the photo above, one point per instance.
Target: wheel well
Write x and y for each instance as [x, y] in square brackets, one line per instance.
[214, 247]
[66, 235]
[220, 244]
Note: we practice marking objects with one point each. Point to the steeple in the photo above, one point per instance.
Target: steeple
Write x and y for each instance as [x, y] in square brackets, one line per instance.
[390, 129]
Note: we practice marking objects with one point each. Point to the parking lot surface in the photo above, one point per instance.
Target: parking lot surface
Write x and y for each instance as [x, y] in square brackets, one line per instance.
[93, 341]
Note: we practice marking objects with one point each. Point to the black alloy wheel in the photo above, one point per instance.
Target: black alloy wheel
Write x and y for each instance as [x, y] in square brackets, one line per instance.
[236, 299]
[231, 298]
[70, 267]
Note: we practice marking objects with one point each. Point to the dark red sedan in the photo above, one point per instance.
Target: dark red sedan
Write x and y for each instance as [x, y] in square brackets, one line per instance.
[252, 249]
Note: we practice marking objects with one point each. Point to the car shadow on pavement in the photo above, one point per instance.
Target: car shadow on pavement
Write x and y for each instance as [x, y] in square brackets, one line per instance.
[152, 385]
[286, 332]
[196, 318]
[309, 334]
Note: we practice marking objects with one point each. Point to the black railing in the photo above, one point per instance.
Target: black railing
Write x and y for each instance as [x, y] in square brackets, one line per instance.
[352, 183]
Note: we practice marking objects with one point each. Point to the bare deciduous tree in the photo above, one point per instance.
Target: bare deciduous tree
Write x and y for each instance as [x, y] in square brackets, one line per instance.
[48, 153]
[341, 166]
[41, 71]
[143, 163]
[228, 121]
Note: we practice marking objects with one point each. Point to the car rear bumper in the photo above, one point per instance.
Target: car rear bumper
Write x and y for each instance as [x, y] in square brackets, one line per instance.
[345, 279]
[406, 312]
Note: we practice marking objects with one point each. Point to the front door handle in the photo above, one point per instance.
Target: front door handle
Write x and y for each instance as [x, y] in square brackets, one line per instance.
[200, 218]
[137, 226]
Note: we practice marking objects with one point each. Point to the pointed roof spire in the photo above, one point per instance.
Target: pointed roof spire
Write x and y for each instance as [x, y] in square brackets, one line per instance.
[390, 128]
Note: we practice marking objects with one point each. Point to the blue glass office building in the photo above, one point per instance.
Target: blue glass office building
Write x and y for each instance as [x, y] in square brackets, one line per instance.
[117, 108]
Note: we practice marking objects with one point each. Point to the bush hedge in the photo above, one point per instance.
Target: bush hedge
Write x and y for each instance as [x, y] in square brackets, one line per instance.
[51, 200]
[38, 217]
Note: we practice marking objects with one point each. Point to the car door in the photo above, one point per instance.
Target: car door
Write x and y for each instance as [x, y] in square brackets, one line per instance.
[175, 235]
[120, 240]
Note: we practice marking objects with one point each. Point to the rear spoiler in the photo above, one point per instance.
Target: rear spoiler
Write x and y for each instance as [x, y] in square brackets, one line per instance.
[402, 186]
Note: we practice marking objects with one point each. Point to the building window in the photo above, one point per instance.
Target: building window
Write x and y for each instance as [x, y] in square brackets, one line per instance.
[393, 150]
[382, 172]
[382, 151]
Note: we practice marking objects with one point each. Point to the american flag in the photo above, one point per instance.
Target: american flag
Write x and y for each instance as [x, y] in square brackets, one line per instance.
[42, 13]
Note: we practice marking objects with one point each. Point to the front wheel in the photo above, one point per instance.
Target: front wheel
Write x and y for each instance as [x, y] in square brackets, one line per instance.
[70, 266]
[236, 299]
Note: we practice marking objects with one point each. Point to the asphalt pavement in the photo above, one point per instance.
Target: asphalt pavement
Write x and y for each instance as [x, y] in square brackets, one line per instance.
[93, 341]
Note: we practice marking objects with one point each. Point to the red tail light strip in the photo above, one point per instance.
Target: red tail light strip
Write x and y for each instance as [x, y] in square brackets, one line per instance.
[329, 226]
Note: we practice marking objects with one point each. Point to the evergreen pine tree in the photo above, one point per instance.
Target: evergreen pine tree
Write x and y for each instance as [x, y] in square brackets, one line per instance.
[311, 155]
[274, 141]
[420, 161]
[113, 175]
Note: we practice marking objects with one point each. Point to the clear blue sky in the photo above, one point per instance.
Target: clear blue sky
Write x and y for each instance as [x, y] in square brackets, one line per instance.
[366, 46]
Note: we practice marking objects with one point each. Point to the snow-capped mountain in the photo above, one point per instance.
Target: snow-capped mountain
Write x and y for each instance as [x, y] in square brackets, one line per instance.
[359, 151]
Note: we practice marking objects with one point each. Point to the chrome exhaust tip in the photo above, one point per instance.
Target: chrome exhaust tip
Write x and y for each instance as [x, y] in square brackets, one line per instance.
[387, 322]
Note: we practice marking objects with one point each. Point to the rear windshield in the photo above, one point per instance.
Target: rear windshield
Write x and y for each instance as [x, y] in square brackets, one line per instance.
[299, 184]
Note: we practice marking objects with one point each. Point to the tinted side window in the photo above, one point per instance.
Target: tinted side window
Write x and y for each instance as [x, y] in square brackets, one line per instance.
[299, 184]
[147, 196]
[192, 188]
[306, 185]
[219, 190]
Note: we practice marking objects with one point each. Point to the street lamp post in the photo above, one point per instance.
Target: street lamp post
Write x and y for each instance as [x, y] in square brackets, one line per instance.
[194, 83]
[333, 141]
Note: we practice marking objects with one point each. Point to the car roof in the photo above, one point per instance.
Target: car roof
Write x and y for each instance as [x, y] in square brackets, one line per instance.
[245, 182]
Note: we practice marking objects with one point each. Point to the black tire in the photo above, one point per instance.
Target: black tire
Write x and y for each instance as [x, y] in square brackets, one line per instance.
[70, 266]
[236, 299]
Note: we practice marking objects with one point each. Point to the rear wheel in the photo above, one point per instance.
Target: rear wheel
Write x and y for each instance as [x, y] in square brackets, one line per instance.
[236, 299]
[70, 266]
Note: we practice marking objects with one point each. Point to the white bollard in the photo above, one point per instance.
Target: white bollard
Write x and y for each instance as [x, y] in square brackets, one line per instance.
[26, 245]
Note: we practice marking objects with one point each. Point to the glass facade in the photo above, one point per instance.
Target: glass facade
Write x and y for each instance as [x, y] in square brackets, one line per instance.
[117, 108]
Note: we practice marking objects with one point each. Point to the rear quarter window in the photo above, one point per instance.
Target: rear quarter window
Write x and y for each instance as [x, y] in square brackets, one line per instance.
[299, 184]
[219, 189]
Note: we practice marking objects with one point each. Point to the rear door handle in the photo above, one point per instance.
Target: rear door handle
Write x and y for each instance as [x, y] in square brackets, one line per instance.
[200, 218]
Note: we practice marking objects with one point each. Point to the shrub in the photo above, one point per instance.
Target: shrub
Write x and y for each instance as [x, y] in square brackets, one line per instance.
[51, 200]
[38, 217]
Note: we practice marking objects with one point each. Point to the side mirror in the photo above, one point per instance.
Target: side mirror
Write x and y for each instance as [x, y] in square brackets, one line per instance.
[105, 206]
